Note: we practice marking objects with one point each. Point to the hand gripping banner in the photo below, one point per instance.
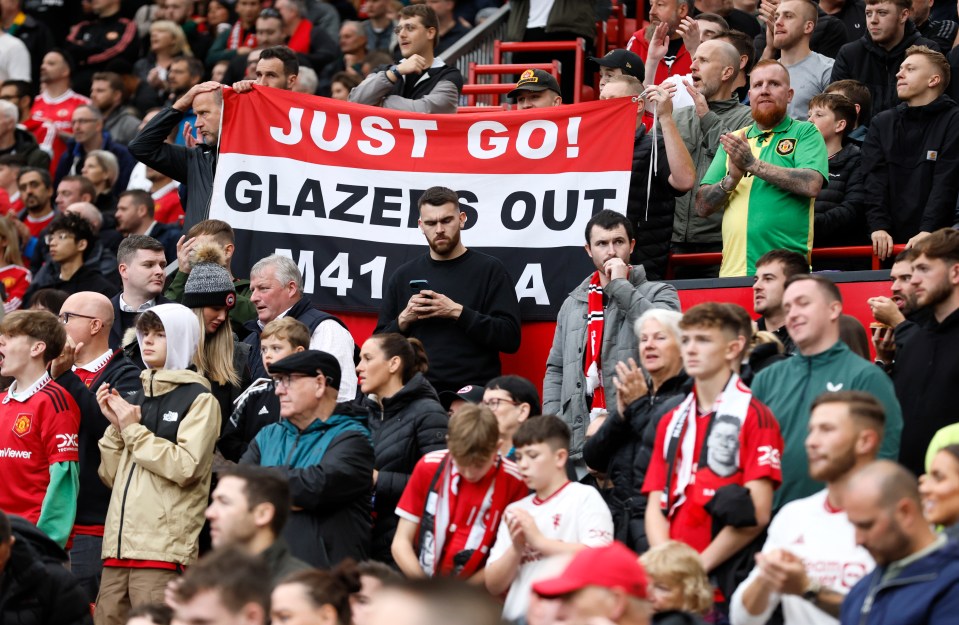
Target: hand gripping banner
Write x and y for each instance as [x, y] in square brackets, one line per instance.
[335, 186]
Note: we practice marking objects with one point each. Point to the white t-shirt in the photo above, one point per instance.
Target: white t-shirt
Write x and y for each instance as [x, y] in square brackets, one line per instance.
[576, 513]
[539, 13]
[826, 542]
[14, 58]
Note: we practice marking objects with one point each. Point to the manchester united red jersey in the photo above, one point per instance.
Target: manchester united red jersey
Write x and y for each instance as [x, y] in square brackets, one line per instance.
[34, 434]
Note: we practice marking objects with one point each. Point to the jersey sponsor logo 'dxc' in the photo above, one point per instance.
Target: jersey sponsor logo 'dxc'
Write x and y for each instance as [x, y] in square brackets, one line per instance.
[68, 442]
[769, 455]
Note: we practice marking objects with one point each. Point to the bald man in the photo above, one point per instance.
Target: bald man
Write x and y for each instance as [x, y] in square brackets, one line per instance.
[87, 362]
[714, 72]
[916, 579]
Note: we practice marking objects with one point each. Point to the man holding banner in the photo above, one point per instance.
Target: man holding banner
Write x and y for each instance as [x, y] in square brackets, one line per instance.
[458, 302]
[421, 83]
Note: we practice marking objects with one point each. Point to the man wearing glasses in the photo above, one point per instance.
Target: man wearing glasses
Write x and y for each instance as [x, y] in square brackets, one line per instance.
[87, 361]
[421, 83]
[89, 135]
[326, 455]
[70, 239]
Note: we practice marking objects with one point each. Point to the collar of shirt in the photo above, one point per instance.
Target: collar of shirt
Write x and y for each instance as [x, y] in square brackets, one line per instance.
[150, 229]
[95, 365]
[147, 305]
[280, 316]
[159, 193]
[22, 396]
[894, 569]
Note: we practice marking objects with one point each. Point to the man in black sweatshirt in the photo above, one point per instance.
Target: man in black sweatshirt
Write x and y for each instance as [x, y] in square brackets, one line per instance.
[911, 156]
[460, 303]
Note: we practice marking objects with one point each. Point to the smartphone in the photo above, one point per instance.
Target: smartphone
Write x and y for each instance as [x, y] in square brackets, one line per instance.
[419, 285]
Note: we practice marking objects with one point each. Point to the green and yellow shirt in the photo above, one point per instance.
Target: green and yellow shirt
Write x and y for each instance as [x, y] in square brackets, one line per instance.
[761, 216]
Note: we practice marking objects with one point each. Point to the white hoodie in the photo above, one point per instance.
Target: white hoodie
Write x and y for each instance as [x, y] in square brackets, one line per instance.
[182, 334]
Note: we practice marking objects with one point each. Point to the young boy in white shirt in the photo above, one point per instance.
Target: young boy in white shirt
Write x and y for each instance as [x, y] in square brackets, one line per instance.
[560, 516]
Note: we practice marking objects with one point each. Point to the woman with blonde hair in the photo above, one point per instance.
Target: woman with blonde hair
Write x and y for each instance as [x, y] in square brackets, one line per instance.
[678, 586]
[167, 41]
[13, 274]
[102, 169]
[220, 357]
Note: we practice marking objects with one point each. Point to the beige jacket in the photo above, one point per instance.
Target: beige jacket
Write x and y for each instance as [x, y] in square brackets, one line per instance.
[161, 489]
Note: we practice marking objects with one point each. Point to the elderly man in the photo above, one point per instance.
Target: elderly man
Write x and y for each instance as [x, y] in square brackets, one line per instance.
[276, 290]
[332, 471]
[14, 140]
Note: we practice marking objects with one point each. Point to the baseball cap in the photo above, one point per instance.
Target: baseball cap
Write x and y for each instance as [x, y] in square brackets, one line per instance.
[625, 60]
[472, 393]
[534, 80]
[612, 566]
[310, 362]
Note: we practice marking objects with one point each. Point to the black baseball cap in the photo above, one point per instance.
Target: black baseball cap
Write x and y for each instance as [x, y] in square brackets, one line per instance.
[534, 80]
[472, 393]
[625, 60]
[310, 362]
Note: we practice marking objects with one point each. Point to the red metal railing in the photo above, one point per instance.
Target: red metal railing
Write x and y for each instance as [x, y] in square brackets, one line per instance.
[821, 253]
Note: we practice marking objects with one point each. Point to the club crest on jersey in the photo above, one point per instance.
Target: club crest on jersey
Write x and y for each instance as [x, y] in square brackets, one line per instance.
[785, 147]
[23, 424]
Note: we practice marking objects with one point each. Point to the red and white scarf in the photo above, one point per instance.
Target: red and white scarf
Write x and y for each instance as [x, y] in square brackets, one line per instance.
[593, 362]
[240, 38]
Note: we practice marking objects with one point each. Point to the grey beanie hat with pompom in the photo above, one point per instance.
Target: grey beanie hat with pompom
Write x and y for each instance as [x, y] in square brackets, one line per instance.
[209, 283]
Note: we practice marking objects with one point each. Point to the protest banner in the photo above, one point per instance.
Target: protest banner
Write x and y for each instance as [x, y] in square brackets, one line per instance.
[335, 186]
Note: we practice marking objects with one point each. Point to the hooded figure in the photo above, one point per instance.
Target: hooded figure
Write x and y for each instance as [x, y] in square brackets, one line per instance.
[182, 334]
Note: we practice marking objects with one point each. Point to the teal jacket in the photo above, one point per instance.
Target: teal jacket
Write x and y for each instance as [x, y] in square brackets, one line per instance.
[789, 388]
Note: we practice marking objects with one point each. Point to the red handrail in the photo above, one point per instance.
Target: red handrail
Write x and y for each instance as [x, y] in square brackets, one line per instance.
[578, 46]
[820, 253]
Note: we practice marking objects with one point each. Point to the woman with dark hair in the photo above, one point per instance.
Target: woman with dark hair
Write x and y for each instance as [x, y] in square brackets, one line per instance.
[407, 421]
[939, 488]
[315, 597]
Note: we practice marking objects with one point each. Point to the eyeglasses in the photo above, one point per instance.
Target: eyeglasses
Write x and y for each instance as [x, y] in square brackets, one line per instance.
[494, 403]
[58, 236]
[84, 121]
[64, 317]
[271, 12]
[409, 28]
[10, 98]
[284, 380]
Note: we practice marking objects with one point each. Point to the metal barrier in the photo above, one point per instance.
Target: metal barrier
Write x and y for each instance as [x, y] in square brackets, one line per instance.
[821, 253]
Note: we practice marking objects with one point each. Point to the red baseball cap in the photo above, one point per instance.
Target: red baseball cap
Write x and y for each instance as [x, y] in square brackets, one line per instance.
[612, 566]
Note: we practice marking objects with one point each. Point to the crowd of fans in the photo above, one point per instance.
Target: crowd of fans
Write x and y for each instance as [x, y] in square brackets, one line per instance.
[205, 449]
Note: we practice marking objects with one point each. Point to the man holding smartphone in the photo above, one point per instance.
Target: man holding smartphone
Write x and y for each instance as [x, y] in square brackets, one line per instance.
[458, 302]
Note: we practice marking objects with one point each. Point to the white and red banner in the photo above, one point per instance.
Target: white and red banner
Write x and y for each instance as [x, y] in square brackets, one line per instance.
[335, 186]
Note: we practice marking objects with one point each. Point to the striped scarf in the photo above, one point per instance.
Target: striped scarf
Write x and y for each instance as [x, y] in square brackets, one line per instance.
[592, 363]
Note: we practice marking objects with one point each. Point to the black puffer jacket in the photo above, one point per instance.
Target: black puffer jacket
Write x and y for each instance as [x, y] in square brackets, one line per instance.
[654, 227]
[35, 586]
[840, 212]
[407, 426]
[877, 67]
[622, 449]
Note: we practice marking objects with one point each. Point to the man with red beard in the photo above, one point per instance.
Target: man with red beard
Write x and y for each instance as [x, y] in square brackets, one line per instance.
[927, 365]
[765, 176]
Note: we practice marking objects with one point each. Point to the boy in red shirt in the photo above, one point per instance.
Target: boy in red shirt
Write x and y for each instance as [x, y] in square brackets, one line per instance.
[719, 449]
[39, 427]
[452, 506]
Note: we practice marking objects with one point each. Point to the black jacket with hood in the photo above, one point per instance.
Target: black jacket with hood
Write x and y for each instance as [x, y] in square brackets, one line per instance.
[25, 146]
[869, 63]
[407, 426]
[840, 213]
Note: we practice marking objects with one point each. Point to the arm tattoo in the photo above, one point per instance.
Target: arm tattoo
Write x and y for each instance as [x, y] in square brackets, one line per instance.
[710, 199]
[805, 182]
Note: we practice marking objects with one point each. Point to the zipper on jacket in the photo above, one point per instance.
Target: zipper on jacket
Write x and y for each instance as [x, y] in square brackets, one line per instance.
[296, 442]
[123, 508]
